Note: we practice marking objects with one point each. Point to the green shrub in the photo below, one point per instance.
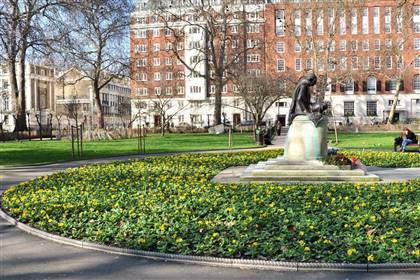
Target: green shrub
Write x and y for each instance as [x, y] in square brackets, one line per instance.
[168, 204]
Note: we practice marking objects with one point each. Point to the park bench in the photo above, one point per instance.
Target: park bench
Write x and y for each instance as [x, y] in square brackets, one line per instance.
[417, 144]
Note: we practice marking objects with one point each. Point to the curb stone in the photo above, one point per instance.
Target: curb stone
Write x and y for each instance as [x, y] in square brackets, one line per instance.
[215, 261]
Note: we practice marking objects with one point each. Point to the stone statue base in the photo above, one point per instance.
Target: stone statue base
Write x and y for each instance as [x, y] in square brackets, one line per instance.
[306, 146]
[306, 142]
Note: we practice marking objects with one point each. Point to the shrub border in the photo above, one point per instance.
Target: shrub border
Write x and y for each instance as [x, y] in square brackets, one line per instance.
[215, 261]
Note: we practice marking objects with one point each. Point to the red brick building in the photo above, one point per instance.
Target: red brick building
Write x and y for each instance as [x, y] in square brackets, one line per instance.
[362, 51]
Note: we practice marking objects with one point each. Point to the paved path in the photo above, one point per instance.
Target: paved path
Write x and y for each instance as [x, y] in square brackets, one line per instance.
[23, 256]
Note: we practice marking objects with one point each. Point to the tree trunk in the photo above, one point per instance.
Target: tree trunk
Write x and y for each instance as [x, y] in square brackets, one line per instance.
[99, 109]
[218, 103]
[21, 100]
[162, 124]
[394, 104]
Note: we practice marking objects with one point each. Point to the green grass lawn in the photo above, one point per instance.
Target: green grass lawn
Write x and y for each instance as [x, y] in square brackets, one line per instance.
[364, 140]
[29, 152]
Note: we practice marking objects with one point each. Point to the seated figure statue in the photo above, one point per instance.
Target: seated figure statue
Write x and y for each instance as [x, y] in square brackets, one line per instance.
[302, 104]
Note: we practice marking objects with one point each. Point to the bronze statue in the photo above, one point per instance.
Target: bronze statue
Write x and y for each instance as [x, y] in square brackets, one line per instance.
[302, 103]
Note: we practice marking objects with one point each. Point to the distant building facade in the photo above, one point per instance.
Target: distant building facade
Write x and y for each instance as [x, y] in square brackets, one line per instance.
[75, 98]
[364, 72]
[39, 93]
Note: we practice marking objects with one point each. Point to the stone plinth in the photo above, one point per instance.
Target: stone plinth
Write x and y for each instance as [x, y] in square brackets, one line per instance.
[305, 142]
[290, 171]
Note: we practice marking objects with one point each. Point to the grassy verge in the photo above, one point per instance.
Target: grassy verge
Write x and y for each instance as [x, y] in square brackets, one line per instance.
[30, 152]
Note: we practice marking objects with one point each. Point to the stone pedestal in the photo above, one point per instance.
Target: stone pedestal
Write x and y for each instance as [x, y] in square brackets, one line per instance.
[305, 147]
[306, 142]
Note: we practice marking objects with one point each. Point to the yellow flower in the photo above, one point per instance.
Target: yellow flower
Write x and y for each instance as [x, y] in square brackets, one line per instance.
[351, 251]
[215, 235]
[307, 249]
[162, 227]
[416, 252]
[370, 258]
[394, 240]
[301, 233]
[179, 240]
[301, 243]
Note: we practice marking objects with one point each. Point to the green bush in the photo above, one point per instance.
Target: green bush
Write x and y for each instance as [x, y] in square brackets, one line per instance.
[168, 204]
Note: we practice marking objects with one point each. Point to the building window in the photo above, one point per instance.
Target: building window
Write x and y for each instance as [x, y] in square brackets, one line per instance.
[141, 34]
[141, 76]
[348, 108]
[377, 62]
[157, 76]
[280, 65]
[298, 47]
[343, 44]
[320, 23]
[156, 32]
[195, 89]
[280, 22]
[391, 102]
[280, 47]
[331, 18]
[349, 86]
[388, 62]
[354, 45]
[371, 85]
[365, 45]
[169, 76]
[156, 61]
[376, 25]
[156, 47]
[416, 19]
[180, 90]
[387, 22]
[298, 64]
[416, 83]
[157, 90]
[253, 58]
[168, 32]
[168, 46]
[320, 44]
[365, 21]
[141, 62]
[297, 23]
[142, 91]
[366, 63]
[354, 63]
[377, 44]
[234, 28]
[417, 44]
[353, 22]
[168, 61]
[308, 22]
[253, 28]
[399, 20]
[332, 46]
[343, 63]
[308, 64]
[168, 91]
[417, 62]
[342, 23]
[388, 43]
[371, 108]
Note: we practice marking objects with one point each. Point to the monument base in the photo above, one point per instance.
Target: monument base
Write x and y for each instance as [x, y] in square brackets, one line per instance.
[291, 171]
[305, 141]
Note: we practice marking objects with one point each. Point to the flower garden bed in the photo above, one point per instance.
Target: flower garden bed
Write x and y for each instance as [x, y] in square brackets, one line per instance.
[168, 204]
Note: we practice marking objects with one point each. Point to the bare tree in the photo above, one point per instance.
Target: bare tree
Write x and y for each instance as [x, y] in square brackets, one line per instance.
[72, 109]
[19, 32]
[97, 33]
[259, 93]
[164, 106]
[320, 44]
[223, 33]
[396, 66]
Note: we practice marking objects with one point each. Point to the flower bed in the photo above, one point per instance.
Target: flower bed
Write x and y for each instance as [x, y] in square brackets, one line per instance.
[385, 159]
[168, 204]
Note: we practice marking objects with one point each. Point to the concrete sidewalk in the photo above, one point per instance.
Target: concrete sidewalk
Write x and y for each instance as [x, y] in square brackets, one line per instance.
[23, 256]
